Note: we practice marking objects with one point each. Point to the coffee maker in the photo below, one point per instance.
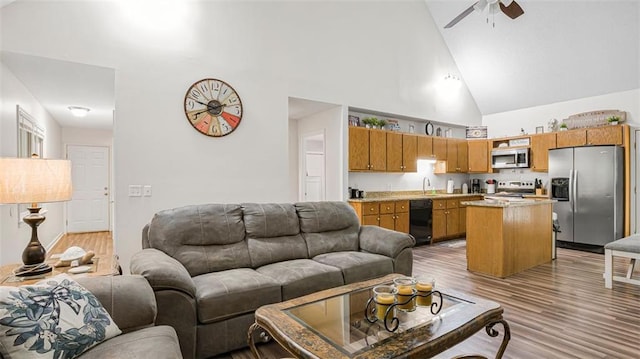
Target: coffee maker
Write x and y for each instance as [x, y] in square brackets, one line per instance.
[475, 185]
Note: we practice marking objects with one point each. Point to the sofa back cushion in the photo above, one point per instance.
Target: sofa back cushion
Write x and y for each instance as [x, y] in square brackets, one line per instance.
[328, 226]
[204, 238]
[273, 233]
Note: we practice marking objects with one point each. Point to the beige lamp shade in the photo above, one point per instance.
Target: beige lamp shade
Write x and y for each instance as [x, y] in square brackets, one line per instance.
[34, 180]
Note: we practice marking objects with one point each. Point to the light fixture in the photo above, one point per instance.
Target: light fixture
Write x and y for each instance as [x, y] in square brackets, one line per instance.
[34, 180]
[79, 111]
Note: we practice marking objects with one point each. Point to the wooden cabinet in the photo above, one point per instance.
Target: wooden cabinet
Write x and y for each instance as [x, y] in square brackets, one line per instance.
[402, 151]
[605, 135]
[463, 156]
[440, 148]
[425, 147]
[392, 215]
[367, 149]
[449, 217]
[478, 156]
[540, 146]
[452, 155]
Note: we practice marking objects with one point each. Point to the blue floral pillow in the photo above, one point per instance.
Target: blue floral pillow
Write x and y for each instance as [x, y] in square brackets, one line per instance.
[55, 318]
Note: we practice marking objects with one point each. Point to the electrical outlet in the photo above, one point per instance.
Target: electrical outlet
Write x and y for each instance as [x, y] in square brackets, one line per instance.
[146, 191]
[135, 190]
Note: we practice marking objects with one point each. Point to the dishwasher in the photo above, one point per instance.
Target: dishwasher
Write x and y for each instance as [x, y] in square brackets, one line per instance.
[420, 220]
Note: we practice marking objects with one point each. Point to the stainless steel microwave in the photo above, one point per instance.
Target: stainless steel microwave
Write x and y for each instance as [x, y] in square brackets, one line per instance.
[510, 158]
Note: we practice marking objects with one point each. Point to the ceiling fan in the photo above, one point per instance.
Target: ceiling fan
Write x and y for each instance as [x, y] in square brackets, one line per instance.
[508, 7]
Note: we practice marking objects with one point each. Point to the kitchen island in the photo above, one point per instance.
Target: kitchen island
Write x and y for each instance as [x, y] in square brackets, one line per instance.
[505, 237]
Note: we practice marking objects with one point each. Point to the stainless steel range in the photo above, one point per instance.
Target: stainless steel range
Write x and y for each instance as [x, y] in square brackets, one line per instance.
[514, 188]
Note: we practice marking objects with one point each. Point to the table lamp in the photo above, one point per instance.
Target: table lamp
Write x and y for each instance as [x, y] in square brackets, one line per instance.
[33, 181]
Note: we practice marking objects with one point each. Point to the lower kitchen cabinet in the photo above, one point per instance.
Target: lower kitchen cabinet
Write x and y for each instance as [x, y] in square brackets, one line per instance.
[392, 215]
[449, 217]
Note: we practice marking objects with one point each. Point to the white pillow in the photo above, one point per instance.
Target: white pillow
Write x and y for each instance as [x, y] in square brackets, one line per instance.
[54, 318]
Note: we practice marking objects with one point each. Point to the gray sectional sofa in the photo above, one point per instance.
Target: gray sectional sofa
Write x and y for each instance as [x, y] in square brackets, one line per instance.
[211, 266]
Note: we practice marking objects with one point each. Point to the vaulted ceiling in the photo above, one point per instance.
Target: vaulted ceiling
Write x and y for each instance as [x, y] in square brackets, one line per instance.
[556, 51]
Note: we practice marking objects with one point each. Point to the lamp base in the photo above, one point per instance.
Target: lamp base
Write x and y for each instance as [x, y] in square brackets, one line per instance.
[33, 270]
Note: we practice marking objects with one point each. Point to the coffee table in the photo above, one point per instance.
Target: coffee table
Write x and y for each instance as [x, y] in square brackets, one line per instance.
[332, 324]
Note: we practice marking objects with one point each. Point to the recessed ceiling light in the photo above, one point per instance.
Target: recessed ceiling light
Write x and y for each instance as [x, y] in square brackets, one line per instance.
[79, 111]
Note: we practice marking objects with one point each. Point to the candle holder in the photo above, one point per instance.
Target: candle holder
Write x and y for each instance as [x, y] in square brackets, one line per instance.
[391, 321]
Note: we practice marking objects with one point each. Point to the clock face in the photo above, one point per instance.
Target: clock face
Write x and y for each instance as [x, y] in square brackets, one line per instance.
[213, 107]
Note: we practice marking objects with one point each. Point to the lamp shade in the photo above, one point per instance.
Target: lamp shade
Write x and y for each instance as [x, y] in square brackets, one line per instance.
[31, 180]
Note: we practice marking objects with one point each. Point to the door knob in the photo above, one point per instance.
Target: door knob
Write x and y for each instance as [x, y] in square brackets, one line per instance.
[106, 194]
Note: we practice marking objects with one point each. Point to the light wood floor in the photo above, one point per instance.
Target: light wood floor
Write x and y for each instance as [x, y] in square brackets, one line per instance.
[99, 242]
[555, 310]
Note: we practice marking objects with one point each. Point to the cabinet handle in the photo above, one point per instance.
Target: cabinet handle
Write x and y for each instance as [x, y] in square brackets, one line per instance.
[371, 209]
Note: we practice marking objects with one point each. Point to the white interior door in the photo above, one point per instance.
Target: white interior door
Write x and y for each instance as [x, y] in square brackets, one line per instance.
[312, 169]
[88, 210]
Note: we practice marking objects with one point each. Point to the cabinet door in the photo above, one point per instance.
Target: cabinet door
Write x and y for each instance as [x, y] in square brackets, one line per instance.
[402, 222]
[402, 206]
[439, 203]
[540, 145]
[358, 149]
[463, 219]
[370, 220]
[607, 135]
[377, 150]
[440, 148]
[425, 147]
[463, 159]
[571, 138]
[453, 221]
[394, 152]
[409, 153]
[388, 221]
[439, 223]
[478, 156]
[452, 155]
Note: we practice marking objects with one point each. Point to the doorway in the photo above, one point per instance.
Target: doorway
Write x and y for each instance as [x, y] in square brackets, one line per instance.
[88, 210]
[312, 169]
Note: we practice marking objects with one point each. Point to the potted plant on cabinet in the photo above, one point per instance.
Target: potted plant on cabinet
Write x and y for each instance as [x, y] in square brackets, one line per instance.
[613, 120]
[370, 122]
[563, 127]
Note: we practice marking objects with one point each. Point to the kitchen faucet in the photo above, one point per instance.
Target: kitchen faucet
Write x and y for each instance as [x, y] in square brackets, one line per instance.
[424, 189]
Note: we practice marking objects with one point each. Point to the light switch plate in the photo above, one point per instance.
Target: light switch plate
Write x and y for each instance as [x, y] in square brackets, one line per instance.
[135, 190]
[146, 191]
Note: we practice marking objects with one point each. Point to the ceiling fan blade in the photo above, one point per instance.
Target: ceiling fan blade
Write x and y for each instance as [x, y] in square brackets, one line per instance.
[462, 15]
[513, 10]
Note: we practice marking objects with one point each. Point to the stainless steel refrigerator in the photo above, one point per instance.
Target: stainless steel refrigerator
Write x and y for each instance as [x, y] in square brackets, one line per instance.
[588, 183]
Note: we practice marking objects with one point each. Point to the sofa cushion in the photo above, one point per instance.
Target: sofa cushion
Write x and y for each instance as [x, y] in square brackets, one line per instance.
[328, 226]
[159, 342]
[357, 266]
[273, 233]
[229, 293]
[302, 276]
[204, 238]
[53, 318]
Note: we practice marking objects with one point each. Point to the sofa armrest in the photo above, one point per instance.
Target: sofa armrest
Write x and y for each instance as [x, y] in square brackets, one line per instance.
[162, 271]
[129, 299]
[383, 241]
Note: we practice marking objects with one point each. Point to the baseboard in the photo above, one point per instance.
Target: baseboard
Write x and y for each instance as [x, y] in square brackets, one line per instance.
[54, 242]
[580, 246]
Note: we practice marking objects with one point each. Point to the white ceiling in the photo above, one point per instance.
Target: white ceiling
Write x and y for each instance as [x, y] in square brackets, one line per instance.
[556, 51]
[60, 84]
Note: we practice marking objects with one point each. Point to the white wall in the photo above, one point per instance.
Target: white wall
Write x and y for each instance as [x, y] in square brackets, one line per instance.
[14, 237]
[87, 137]
[385, 56]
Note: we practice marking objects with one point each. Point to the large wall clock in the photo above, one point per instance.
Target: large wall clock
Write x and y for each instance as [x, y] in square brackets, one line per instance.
[213, 107]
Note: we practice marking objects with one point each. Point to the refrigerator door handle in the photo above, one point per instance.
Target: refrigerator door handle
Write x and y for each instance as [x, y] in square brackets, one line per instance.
[575, 190]
[571, 190]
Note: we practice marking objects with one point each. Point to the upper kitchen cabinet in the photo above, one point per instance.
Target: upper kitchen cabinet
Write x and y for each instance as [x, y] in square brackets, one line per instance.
[425, 147]
[367, 149]
[440, 148]
[402, 151]
[478, 156]
[605, 135]
[463, 156]
[540, 146]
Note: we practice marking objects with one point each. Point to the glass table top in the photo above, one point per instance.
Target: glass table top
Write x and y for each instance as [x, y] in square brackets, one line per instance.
[340, 320]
